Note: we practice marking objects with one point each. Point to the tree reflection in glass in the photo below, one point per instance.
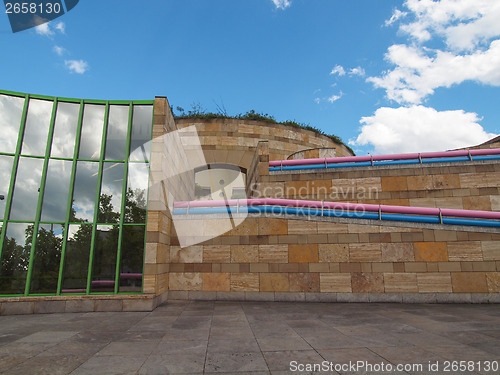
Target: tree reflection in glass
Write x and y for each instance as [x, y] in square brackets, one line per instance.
[63, 141]
[37, 127]
[116, 136]
[132, 252]
[93, 123]
[15, 258]
[105, 252]
[84, 193]
[11, 110]
[46, 258]
[111, 193]
[136, 198]
[76, 261]
[26, 189]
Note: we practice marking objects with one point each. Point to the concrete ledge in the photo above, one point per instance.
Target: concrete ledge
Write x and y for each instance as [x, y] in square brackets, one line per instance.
[337, 297]
[87, 303]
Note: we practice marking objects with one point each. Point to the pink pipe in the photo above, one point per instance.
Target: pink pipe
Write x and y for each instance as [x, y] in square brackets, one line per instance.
[423, 155]
[342, 205]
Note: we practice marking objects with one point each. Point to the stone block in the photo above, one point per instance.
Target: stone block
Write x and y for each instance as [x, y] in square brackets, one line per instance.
[108, 305]
[477, 203]
[230, 267]
[17, 308]
[140, 304]
[216, 253]
[304, 282]
[274, 282]
[244, 253]
[469, 282]
[367, 282]
[230, 296]
[303, 253]
[198, 295]
[445, 235]
[333, 252]
[259, 296]
[185, 281]
[268, 226]
[49, 307]
[273, 253]
[431, 251]
[290, 297]
[491, 250]
[79, 305]
[397, 252]
[216, 282]
[384, 267]
[400, 282]
[493, 282]
[484, 266]
[350, 267]
[470, 251]
[365, 252]
[335, 282]
[394, 183]
[434, 282]
[420, 182]
[302, 227]
[244, 282]
[190, 254]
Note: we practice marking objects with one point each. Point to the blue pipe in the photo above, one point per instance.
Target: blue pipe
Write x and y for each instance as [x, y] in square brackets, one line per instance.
[385, 162]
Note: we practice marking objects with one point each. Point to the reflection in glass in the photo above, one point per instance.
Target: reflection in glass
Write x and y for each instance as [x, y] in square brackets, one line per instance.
[63, 141]
[15, 258]
[84, 192]
[140, 145]
[11, 110]
[105, 252]
[136, 199]
[116, 137]
[76, 260]
[132, 252]
[55, 198]
[5, 173]
[25, 198]
[92, 125]
[110, 200]
[46, 258]
[37, 127]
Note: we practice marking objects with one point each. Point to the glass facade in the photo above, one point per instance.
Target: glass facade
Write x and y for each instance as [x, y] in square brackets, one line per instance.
[73, 192]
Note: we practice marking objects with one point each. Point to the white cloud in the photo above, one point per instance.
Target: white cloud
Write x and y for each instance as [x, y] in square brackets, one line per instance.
[76, 66]
[418, 129]
[61, 27]
[359, 71]
[58, 50]
[467, 28]
[317, 100]
[395, 16]
[334, 98]
[44, 29]
[338, 69]
[282, 4]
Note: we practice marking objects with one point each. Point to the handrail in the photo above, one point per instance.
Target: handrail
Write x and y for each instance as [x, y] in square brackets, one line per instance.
[355, 207]
[369, 158]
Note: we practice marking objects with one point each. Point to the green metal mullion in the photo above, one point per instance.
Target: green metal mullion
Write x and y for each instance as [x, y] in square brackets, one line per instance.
[40, 197]
[124, 197]
[15, 163]
[147, 200]
[70, 197]
[98, 194]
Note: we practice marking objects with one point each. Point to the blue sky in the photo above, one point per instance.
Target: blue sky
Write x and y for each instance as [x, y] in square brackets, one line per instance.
[387, 76]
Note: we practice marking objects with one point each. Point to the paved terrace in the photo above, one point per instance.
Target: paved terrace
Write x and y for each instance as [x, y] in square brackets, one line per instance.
[248, 337]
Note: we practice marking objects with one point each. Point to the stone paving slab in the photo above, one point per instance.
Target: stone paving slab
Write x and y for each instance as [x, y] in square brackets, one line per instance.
[223, 337]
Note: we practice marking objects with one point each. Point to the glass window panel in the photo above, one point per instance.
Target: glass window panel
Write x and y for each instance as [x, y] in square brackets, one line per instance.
[116, 139]
[111, 193]
[25, 198]
[140, 141]
[137, 193]
[76, 259]
[15, 258]
[84, 192]
[92, 125]
[105, 251]
[46, 259]
[55, 198]
[63, 141]
[11, 111]
[37, 127]
[132, 253]
[5, 173]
